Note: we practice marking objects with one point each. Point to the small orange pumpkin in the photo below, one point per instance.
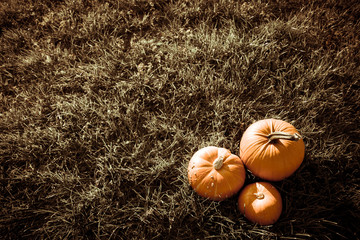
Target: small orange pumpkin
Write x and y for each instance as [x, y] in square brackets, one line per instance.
[261, 203]
[215, 173]
[272, 149]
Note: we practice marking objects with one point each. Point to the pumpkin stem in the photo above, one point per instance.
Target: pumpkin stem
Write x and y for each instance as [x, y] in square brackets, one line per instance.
[218, 162]
[282, 135]
[259, 195]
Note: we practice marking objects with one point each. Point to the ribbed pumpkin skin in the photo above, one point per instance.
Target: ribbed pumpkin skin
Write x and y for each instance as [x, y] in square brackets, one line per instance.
[264, 211]
[273, 161]
[210, 182]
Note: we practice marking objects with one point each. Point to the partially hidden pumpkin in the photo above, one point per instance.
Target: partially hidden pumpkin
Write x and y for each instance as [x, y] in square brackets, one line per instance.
[272, 149]
[216, 173]
[261, 203]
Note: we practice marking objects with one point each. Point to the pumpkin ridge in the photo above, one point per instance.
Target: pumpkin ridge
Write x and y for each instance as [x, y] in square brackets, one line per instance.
[209, 157]
[227, 181]
[224, 173]
[215, 185]
[253, 152]
[260, 152]
[204, 165]
[200, 183]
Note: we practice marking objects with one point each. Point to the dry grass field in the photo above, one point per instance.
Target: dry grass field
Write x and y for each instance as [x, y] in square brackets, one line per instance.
[103, 103]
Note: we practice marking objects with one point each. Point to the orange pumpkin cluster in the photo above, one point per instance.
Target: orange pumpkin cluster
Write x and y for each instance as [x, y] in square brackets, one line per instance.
[270, 149]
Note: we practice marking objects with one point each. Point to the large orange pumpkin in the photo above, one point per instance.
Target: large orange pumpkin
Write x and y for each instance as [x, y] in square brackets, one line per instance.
[272, 149]
[215, 173]
[261, 203]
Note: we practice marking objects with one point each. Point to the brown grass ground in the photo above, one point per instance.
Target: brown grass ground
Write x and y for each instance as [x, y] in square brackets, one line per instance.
[102, 104]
